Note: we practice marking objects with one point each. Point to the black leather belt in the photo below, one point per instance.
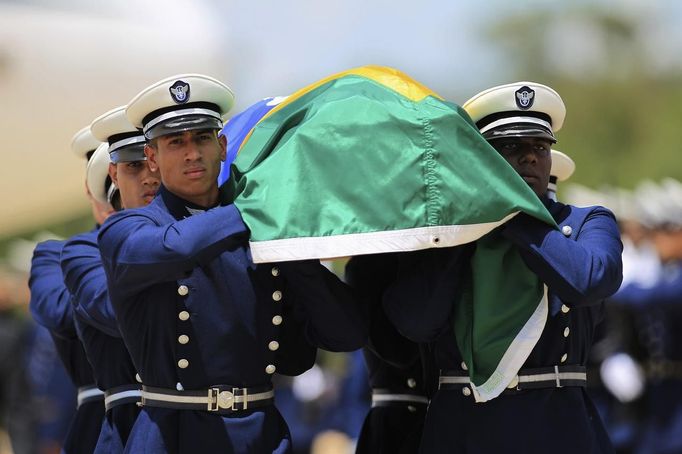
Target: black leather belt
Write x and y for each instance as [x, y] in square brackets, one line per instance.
[532, 378]
[119, 395]
[89, 393]
[391, 397]
[218, 398]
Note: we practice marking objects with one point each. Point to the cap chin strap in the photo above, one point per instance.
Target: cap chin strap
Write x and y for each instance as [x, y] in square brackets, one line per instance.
[111, 192]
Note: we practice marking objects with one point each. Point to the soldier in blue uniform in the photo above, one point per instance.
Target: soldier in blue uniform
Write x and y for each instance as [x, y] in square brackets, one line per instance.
[202, 322]
[400, 382]
[50, 307]
[545, 407]
[395, 365]
[84, 277]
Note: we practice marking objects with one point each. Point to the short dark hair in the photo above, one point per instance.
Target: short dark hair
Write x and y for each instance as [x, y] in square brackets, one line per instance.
[153, 143]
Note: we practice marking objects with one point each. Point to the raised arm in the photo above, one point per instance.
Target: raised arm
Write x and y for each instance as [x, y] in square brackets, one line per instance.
[370, 275]
[85, 279]
[137, 252]
[50, 303]
[420, 301]
[336, 320]
[580, 272]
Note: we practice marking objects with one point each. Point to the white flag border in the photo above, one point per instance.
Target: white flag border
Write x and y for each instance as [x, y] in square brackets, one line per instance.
[517, 353]
[346, 245]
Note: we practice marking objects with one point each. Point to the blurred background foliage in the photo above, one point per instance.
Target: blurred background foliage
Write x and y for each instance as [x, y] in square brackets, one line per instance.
[623, 94]
[624, 108]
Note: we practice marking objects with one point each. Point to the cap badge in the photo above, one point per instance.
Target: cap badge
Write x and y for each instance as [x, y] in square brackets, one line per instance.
[179, 92]
[525, 97]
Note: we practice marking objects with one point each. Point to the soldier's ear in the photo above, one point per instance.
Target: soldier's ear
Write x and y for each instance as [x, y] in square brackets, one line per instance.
[150, 153]
[222, 140]
[113, 173]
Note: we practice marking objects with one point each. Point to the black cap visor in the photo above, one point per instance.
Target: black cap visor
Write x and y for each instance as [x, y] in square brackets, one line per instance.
[519, 131]
[128, 153]
[182, 124]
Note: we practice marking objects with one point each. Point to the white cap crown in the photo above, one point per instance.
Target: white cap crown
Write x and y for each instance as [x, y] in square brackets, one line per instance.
[519, 109]
[83, 142]
[180, 103]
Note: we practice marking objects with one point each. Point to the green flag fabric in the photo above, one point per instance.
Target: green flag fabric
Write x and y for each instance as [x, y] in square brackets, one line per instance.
[369, 161]
[502, 300]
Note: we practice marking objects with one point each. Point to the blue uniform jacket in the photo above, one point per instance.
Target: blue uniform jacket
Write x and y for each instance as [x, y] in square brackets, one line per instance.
[97, 328]
[195, 311]
[393, 362]
[581, 265]
[51, 307]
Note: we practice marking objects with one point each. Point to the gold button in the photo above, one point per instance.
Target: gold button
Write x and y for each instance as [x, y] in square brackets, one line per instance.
[466, 391]
[567, 230]
[565, 309]
[275, 271]
[183, 363]
[183, 339]
[183, 290]
[567, 331]
[277, 320]
[564, 357]
[273, 345]
[270, 369]
[184, 315]
[277, 295]
[411, 383]
[464, 366]
[138, 378]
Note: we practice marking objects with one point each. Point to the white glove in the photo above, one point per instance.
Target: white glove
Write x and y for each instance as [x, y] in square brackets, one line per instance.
[623, 377]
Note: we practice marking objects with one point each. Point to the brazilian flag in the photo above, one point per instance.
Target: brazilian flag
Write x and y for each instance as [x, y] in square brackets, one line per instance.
[238, 126]
[370, 161]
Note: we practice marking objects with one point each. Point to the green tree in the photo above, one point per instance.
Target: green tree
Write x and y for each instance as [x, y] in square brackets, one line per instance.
[622, 113]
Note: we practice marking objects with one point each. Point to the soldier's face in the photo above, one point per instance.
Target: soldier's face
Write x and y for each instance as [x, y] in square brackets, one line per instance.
[189, 163]
[136, 182]
[530, 157]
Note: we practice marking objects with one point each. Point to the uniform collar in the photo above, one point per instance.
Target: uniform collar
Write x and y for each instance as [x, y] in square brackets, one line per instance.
[179, 207]
[546, 201]
[552, 205]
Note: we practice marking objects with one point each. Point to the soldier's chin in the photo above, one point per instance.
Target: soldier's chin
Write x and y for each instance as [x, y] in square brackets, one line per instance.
[535, 186]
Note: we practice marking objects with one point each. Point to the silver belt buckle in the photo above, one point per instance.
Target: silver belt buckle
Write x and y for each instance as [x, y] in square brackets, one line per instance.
[224, 400]
[514, 383]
